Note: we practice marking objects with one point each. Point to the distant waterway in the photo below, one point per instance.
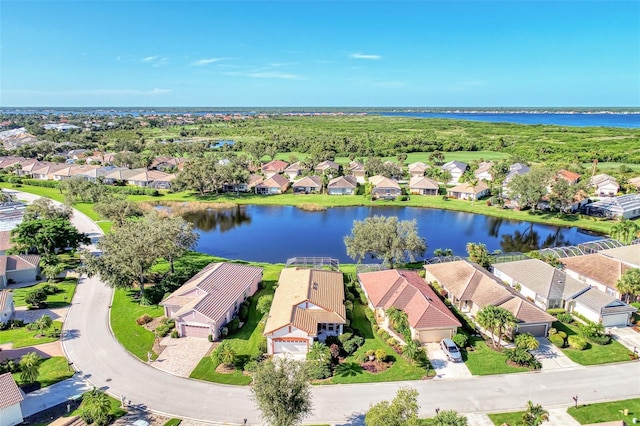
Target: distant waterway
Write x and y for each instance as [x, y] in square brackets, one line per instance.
[556, 118]
[275, 233]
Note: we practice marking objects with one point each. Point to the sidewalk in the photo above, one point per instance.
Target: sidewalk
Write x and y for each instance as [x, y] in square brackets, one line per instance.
[53, 395]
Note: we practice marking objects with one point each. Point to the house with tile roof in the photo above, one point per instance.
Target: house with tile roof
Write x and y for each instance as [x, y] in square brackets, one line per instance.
[18, 268]
[429, 318]
[10, 399]
[422, 185]
[357, 170]
[470, 288]
[294, 170]
[6, 305]
[308, 305]
[328, 167]
[456, 169]
[384, 187]
[308, 185]
[211, 298]
[276, 184]
[417, 169]
[550, 287]
[342, 185]
[466, 191]
[597, 270]
[625, 254]
[571, 177]
[483, 172]
[605, 185]
[273, 168]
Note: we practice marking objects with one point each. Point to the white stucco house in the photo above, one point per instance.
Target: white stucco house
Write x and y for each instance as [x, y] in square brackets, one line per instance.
[308, 305]
[10, 399]
[6, 305]
[456, 169]
[20, 268]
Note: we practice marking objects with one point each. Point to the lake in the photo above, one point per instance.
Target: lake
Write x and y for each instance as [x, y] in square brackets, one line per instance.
[275, 233]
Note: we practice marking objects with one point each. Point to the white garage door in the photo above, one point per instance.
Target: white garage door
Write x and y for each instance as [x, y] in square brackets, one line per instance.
[195, 331]
[292, 347]
[427, 336]
[614, 319]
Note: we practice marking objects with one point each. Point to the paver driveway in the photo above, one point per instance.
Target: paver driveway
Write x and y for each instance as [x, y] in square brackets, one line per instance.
[445, 369]
[181, 356]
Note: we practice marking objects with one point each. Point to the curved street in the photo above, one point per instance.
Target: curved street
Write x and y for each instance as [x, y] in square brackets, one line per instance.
[101, 360]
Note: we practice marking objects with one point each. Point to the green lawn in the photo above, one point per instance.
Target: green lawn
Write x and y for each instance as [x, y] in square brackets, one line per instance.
[52, 370]
[22, 337]
[606, 411]
[594, 354]
[512, 419]
[115, 412]
[246, 341]
[124, 311]
[484, 360]
[58, 300]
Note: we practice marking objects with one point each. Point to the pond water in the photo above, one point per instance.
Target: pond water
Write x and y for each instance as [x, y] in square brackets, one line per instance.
[275, 233]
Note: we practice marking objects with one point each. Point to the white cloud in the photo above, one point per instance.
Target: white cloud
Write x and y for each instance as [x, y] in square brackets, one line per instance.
[365, 56]
[150, 58]
[268, 74]
[206, 61]
[156, 61]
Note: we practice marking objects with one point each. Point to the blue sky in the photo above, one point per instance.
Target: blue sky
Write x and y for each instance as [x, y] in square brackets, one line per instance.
[319, 53]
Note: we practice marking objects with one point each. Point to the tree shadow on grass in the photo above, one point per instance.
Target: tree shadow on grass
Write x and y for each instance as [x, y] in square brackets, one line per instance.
[348, 369]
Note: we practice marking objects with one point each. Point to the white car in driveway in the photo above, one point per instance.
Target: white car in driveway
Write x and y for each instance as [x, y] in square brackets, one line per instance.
[451, 350]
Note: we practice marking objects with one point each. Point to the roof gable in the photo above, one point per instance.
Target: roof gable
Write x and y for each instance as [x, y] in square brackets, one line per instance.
[9, 392]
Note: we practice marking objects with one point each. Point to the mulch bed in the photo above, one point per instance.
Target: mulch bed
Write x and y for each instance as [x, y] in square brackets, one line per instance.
[225, 369]
[375, 366]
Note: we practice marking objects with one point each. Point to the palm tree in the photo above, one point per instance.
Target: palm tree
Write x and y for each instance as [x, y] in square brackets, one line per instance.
[449, 418]
[411, 349]
[487, 319]
[319, 352]
[95, 407]
[535, 415]
[527, 341]
[226, 354]
[504, 320]
[43, 323]
[29, 367]
[629, 283]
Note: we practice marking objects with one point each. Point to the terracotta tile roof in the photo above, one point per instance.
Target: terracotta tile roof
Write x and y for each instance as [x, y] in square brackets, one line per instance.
[343, 182]
[5, 244]
[407, 291]
[219, 286]
[327, 165]
[418, 167]
[569, 176]
[275, 166]
[355, 166]
[148, 176]
[324, 289]
[255, 180]
[600, 268]
[4, 299]
[387, 183]
[295, 167]
[466, 188]
[275, 181]
[627, 254]
[308, 181]
[469, 281]
[9, 392]
[422, 182]
[635, 182]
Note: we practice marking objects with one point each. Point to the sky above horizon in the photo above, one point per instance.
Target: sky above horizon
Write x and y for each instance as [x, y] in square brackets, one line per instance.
[320, 53]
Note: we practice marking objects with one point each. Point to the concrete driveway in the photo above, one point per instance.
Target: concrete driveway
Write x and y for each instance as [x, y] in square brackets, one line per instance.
[627, 336]
[551, 357]
[180, 356]
[446, 369]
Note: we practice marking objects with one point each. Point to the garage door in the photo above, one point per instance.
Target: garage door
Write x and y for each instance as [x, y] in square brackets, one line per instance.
[434, 335]
[195, 331]
[292, 347]
[614, 319]
[538, 330]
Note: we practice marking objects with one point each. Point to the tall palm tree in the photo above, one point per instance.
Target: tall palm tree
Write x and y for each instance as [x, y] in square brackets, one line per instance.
[504, 320]
[43, 323]
[29, 367]
[487, 319]
[95, 407]
[629, 284]
[535, 415]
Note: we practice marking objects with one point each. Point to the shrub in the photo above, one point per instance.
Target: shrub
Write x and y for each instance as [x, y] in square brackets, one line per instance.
[162, 330]
[592, 330]
[460, 339]
[318, 370]
[224, 331]
[251, 366]
[391, 341]
[50, 289]
[174, 334]
[522, 357]
[384, 335]
[605, 339]
[381, 355]
[352, 345]
[243, 313]
[556, 311]
[152, 295]
[557, 340]
[565, 317]
[577, 342]
[144, 319]
[233, 326]
[349, 306]
[36, 298]
[562, 334]
[262, 347]
[345, 337]
[376, 328]
[334, 350]
[552, 331]
[210, 337]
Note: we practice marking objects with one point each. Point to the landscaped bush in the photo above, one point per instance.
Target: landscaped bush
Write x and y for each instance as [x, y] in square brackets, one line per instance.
[384, 335]
[36, 298]
[562, 334]
[577, 342]
[381, 355]
[162, 330]
[144, 319]
[243, 313]
[552, 331]
[233, 326]
[174, 334]
[522, 357]
[9, 366]
[318, 370]
[391, 341]
[565, 317]
[51, 289]
[460, 339]
[251, 366]
[605, 339]
[11, 324]
[352, 345]
[152, 295]
[557, 340]
[371, 316]
[556, 311]
[344, 337]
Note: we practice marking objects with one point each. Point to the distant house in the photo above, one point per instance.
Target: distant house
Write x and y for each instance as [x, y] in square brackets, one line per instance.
[605, 185]
[273, 168]
[276, 184]
[483, 172]
[146, 178]
[18, 268]
[422, 185]
[163, 182]
[515, 169]
[620, 207]
[6, 305]
[209, 300]
[342, 185]
[167, 163]
[635, 182]
[429, 318]
[597, 270]
[470, 288]
[569, 176]
[308, 185]
[417, 169]
[328, 167]
[456, 169]
[10, 399]
[465, 191]
[384, 187]
[294, 170]
[357, 170]
[121, 175]
[308, 304]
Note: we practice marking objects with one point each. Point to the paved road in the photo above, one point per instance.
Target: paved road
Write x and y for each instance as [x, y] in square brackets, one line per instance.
[100, 359]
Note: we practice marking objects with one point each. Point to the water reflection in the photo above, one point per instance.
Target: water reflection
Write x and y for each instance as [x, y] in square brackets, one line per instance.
[218, 220]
